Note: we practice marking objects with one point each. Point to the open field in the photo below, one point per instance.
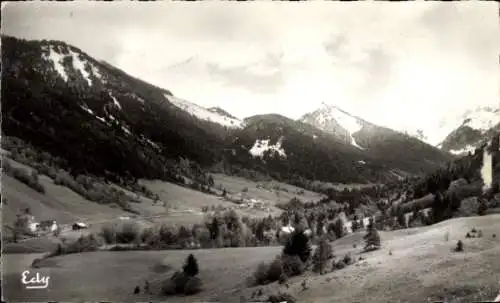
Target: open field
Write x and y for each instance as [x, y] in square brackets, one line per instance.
[182, 206]
[185, 204]
[422, 266]
[272, 191]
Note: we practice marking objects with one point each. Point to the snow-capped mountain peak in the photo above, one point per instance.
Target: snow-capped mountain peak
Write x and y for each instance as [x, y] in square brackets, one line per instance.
[470, 130]
[332, 119]
[482, 118]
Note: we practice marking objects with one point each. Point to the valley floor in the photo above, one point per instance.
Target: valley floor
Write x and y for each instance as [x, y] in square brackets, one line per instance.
[422, 266]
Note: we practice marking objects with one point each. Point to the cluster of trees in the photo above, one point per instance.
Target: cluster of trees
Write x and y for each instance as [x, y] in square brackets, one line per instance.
[224, 229]
[59, 125]
[298, 256]
[186, 281]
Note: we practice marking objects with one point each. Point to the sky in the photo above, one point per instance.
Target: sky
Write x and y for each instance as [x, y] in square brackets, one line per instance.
[406, 66]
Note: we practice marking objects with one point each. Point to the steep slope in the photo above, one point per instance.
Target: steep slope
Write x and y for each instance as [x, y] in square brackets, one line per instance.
[475, 125]
[102, 120]
[390, 147]
[334, 120]
[431, 273]
[292, 149]
[95, 116]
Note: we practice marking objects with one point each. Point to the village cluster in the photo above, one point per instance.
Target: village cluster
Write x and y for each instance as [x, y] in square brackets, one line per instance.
[50, 226]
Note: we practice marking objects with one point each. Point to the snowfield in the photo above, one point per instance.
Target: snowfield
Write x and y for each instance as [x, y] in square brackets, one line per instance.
[203, 113]
[349, 123]
[56, 60]
[261, 146]
[465, 150]
[115, 102]
[79, 65]
[482, 119]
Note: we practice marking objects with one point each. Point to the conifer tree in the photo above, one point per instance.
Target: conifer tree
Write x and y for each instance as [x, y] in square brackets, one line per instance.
[298, 245]
[321, 255]
[372, 238]
[191, 266]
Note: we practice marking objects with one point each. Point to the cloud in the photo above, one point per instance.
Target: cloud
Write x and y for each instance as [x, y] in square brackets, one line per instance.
[264, 76]
[400, 65]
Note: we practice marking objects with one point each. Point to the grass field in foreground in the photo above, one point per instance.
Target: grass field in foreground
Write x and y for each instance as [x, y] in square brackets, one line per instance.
[422, 266]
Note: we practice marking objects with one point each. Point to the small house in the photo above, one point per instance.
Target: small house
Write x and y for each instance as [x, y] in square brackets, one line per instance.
[33, 226]
[79, 225]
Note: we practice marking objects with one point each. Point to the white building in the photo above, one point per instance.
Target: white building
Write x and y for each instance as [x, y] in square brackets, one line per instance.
[54, 226]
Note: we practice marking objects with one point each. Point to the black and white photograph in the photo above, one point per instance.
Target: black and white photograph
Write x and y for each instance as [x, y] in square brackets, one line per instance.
[257, 151]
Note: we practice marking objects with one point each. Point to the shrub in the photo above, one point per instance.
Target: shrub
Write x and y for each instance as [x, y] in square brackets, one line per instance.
[180, 280]
[46, 170]
[128, 233]
[275, 270]
[35, 263]
[57, 232]
[347, 259]
[82, 244]
[23, 176]
[147, 235]
[193, 286]
[482, 207]
[65, 179]
[260, 274]
[180, 283]
[175, 284]
[292, 265]
[108, 232]
[338, 228]
[282, 279]
[95, 191]
[339, 264]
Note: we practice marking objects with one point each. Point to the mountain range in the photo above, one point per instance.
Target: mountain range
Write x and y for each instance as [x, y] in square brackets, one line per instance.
[472, 127]
[101, 120]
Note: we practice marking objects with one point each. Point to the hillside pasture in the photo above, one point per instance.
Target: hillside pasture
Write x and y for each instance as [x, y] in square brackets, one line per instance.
[184, 202]
[272, 191]
[422, 266]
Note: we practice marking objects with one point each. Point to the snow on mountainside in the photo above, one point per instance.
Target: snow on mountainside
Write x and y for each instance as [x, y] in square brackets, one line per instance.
[82, 109]
[467, 149]
[482, 119]
[96, 117]
[260, 147]
[58, 54]
[471, 129]
[334, 120]
[212, 115]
